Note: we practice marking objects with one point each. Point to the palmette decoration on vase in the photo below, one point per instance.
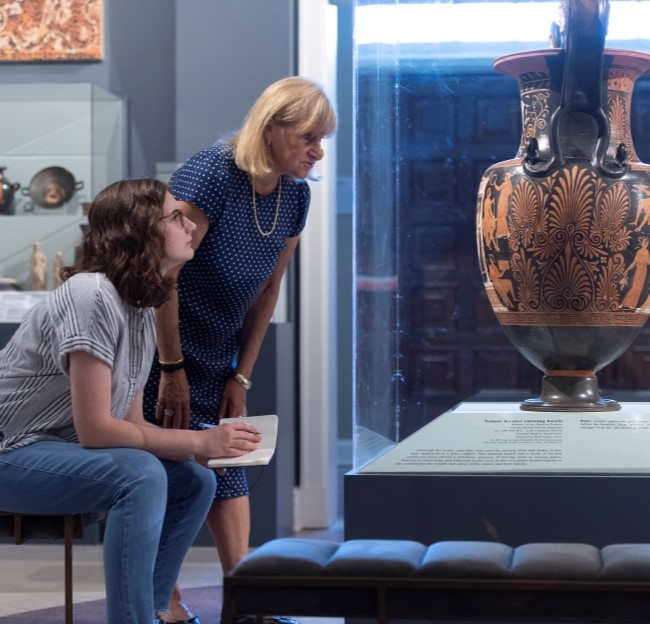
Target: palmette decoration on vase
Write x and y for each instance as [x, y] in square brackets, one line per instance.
[563, 228]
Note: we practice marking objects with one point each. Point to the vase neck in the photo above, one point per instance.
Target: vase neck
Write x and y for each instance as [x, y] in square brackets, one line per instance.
[580, 115]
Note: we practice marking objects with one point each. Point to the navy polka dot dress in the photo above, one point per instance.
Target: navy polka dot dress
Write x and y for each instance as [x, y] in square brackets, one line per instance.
[217, 287]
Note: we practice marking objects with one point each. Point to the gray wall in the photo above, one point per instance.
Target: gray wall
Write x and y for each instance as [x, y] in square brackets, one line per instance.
[139, 53]
[344, 221]
[227, 53]
[344, 90]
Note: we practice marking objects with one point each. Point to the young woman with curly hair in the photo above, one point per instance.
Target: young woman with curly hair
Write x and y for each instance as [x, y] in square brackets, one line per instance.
[73, 438]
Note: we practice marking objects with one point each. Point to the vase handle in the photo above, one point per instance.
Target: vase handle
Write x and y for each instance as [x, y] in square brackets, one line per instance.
[582, 84]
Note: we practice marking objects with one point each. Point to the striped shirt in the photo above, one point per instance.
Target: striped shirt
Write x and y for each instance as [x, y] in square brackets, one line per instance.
[84, 314]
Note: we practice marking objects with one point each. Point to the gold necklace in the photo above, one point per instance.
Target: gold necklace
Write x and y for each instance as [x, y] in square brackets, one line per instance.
[277, 208]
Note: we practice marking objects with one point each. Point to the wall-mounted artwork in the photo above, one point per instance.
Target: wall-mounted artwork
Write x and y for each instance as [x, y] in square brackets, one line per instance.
[51, 30]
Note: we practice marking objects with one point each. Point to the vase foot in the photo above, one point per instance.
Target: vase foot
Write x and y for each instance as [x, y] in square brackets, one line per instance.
[570, 394]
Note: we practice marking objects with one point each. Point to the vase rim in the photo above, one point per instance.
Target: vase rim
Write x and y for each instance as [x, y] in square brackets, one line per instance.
[510, 63]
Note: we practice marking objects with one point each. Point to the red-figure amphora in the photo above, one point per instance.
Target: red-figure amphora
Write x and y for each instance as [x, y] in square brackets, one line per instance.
[563, 229]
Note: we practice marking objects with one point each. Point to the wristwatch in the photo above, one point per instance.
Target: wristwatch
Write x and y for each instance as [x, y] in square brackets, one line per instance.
[242, 381]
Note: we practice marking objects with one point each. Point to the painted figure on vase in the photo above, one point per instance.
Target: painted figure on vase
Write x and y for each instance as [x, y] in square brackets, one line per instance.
[639, 268]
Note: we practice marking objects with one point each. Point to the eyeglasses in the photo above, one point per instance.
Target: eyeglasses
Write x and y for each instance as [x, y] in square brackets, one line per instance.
[177, 217]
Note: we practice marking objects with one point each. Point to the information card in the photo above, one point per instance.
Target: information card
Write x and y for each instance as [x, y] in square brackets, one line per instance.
[488, 438]
[14, 304]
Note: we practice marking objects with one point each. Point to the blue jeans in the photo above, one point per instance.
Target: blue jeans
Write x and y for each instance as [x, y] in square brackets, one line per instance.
[154, 509]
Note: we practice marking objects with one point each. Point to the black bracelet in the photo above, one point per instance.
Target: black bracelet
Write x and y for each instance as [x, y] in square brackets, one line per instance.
[170, 367]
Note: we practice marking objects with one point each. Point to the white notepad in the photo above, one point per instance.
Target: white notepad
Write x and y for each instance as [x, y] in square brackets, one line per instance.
[268, 428]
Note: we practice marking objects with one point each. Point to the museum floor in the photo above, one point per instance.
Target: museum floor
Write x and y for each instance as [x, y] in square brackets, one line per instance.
[31, 575]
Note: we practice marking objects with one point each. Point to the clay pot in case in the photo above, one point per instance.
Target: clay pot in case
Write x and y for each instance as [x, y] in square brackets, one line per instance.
[563, 229]
[52, 187]
[9, 283]
[7, 191]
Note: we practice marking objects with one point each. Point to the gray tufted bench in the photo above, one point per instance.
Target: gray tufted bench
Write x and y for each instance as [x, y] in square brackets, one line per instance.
[445, 581]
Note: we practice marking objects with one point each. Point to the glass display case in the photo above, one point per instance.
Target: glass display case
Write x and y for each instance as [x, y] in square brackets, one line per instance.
[431, 115]
[442, 450]
[59, 145]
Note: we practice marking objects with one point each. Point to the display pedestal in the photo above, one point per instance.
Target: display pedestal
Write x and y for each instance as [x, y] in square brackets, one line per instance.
[488, 471]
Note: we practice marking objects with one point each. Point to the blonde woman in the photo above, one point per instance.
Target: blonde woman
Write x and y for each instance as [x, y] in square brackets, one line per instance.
[249, 199]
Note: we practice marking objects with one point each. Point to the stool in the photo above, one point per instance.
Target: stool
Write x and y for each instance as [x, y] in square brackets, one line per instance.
[23, 527]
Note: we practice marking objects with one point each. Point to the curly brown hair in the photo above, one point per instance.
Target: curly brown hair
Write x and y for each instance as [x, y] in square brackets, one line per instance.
[124, 242]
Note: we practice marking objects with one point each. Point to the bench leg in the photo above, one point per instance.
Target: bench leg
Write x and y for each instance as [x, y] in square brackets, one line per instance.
[226, 604]
[68, 537]
[382, 606]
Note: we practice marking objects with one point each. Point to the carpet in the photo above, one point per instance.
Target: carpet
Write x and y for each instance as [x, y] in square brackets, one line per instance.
[204, 601]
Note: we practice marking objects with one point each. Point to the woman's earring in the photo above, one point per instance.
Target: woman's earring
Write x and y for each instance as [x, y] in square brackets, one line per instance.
[268, 142]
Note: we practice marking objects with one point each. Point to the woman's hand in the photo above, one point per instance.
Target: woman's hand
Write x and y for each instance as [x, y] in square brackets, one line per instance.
[228, 440]
[233, 400]
[173, 407]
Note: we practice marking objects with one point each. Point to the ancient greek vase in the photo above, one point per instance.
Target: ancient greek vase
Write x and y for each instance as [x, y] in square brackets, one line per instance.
[563, 228]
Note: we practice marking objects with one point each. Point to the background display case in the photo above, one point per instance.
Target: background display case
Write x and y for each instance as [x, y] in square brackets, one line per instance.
[76, 132]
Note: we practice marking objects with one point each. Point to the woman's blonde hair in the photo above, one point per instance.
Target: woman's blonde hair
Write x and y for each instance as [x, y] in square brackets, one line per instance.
[292, 101]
